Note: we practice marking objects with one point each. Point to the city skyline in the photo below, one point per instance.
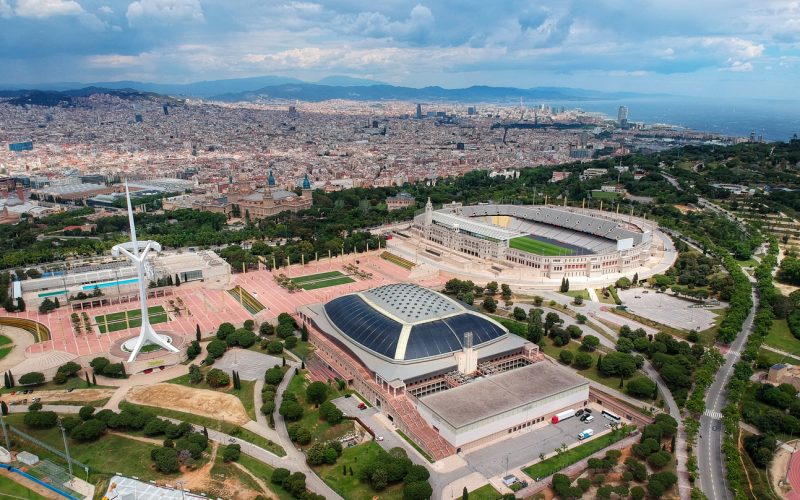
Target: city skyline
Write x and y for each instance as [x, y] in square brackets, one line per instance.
[748, 51]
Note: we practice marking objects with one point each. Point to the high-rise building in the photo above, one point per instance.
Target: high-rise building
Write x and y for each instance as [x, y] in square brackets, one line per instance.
[419, 112]
[622, 116]
[471, 111]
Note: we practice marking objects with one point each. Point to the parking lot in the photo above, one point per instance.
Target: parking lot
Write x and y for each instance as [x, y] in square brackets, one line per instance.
[525, 446]
[666, 309]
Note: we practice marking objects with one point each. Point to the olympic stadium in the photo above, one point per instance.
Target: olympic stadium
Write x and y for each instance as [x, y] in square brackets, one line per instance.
[534, 243]
[447, 376]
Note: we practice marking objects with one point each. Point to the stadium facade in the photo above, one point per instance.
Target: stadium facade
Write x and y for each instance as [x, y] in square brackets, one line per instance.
[534, 241]
[447, 376]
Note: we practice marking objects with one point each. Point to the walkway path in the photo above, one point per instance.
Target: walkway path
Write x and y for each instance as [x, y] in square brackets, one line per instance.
[778, 351]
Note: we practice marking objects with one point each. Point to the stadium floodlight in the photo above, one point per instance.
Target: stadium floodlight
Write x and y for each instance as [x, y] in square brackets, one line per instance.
[136, 252]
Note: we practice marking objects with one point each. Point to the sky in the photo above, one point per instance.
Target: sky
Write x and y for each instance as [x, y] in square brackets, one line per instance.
[706, 48]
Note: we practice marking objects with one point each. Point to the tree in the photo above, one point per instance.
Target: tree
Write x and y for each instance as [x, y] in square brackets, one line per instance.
[193, 350]
[582, 360]
[21, 304]
[565, 356]
[224, 330]
[317, 393]
[304, 333]
[265, 329]
[197, 333]
[32, 378]
[490, 304]
[275, 347]
[417, 490]
[291, 410]
[249, 325]
[166, 460]
[217, 378]
[550, 320]
[465, 494]
[231, 453]
[40, 419]
[3, 408]
[641, 387]
[538, 300]
[574, 331]
[590, 343]
[98, 364]
[623, 283]
[86, 412]
[274, 375]
[578, 301]
[195, 375]
[7, 381]
[535, 327]
[491, 288]
[617, 364]
[519, 314]
[290, 343]
[88, 431]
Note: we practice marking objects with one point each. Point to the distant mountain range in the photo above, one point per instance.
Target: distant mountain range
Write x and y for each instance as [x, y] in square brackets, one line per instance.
[332, 87]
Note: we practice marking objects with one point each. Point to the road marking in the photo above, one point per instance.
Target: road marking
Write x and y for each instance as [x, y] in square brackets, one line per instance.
[735, 353]
[713, 414]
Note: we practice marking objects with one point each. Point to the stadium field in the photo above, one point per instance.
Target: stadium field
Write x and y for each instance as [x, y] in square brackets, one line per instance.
[537, 247]
[322, 280]
[116, 321]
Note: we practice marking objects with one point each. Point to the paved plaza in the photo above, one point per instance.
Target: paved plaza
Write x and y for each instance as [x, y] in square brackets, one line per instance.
[124, 487]
[249, 364]
[667, 309]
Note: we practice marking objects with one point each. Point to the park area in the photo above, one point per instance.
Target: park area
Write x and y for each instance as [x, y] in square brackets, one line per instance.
[322, 280]
[531, 245]
[129, 319]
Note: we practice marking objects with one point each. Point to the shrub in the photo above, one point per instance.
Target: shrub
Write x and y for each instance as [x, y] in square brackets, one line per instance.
[582, 361]
[216, 348]
[565, 356]
[70, 368]
[86, 412]
[217, 378]
[249, 325]
[114, 370]
[659, 459]
[417, 490]
[268, 407]
[317, 393]
[641, 387]
[41, 419]
[98, 364]
[224, 330]
[35, 406]
[231, 453]
[60, 378]
[279, 475]
[166, 460]
[266, 329]
[291, 410]
[273, 375]
[32, 378]
[290, 342]
[89, 430]
[275, 347]
[194, 349]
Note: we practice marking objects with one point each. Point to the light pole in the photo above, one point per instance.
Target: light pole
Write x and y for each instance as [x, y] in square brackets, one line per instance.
[66, 447]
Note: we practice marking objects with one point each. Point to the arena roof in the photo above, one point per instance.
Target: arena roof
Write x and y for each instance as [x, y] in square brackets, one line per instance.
[473, 226]
[496, 394]
[405, 322]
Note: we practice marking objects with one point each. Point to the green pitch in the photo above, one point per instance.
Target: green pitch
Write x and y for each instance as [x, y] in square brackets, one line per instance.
[116, 321]
[322, 280]
[538, 247]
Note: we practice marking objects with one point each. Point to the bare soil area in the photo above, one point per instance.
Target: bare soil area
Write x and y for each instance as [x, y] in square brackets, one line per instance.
[778, 468]
[203, 402]
[78, 395]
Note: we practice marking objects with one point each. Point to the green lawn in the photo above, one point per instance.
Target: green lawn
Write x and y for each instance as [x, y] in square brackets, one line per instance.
[555, 463]
[71, 383]
[350, 487]
[537, 247]
[4, 340]
[320, 429]
[604, 195]
[116, 321]
[302, 349]
[773, 358]
[4, 351]
[106, 456]
[210, 423]
[264, 471]
[245, 394]
[12, 489]
[485, 492]
[780, 337]
[326, 283]
[316, 277]
[584, 294]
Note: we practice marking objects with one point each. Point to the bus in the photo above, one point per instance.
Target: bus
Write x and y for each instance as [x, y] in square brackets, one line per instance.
[611, 416]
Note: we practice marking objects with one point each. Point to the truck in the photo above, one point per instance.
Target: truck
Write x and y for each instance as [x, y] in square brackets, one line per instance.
[558, 417]
[585, 434]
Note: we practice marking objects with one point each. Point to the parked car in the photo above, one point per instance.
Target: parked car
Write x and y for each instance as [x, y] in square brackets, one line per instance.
[587, 410]
[579, 413]
[588, 419]
[362, 406]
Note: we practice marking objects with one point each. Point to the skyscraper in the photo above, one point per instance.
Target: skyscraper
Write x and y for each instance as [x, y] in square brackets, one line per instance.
[622, 116]
[419, 112]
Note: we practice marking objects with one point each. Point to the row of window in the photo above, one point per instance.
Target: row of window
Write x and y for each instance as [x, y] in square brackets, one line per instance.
[525, 424]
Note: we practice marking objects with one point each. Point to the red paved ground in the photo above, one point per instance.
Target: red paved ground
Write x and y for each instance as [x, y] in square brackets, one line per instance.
[208, 307]
[794, 477]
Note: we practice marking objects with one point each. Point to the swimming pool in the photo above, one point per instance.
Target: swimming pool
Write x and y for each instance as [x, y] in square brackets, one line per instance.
[110, 283]
[52, 294]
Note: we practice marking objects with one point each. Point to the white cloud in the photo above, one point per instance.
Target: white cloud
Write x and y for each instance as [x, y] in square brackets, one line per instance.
[5, 9]
[105, 9]
[164, 11]
[115, 60]
[739, 67]
[40, 9]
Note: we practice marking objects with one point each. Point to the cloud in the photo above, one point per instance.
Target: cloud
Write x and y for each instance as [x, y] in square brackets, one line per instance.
[40, 9]
[739, 67]
[164, 11]
[416, 28]
[5, 9]
[105, 9]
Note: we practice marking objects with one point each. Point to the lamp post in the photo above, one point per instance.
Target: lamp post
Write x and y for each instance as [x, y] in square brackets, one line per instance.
[66, 447]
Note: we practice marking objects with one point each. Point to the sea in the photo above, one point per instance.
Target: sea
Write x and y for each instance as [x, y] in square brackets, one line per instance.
[773, 120]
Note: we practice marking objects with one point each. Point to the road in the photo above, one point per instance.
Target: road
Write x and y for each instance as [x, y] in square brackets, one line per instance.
[709, 443]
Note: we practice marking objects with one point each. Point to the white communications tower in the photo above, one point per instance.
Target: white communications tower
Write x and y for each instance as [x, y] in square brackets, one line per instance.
[136, 252]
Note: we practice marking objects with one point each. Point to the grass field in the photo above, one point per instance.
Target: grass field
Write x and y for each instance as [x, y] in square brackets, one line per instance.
[322, 280]
[485, 492]
[604, 195]
[780, 337]
[116, 321]
[537, 247]
[556, 463]
[773, 358]
[12, 489]
[350, 487]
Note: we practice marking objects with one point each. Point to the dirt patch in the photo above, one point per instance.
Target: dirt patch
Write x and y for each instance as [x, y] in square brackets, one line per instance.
[78, 395]
[218, 406]
[778, 468]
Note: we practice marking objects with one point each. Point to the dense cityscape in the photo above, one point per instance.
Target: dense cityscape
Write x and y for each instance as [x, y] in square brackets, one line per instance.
[427, 279]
